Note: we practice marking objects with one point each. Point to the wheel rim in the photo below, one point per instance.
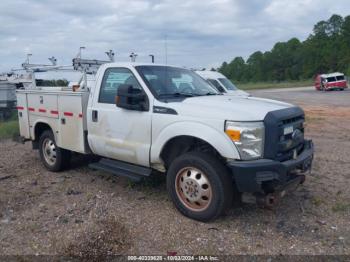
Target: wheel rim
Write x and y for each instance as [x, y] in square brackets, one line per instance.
[193, 189]
[49, 151]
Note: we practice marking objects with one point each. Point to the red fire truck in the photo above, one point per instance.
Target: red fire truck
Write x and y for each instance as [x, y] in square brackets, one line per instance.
[333, 81]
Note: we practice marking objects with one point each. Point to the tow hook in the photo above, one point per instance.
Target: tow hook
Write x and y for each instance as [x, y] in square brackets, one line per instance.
[261, 200]
[269, 200]
[266, 201]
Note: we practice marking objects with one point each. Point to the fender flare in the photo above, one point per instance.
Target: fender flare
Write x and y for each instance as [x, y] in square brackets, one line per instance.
[216, 139]
[42, 121]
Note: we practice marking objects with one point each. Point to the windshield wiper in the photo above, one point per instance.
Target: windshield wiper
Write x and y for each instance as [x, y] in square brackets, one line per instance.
[212, 94]
[209, 94]
[177, 94]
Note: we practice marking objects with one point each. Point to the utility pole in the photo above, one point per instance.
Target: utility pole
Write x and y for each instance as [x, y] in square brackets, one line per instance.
[166, 49]
[80, 49]
[27, 61]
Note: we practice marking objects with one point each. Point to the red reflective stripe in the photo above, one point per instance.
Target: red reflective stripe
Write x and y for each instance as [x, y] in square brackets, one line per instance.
[31, 109]
[68, 113]
[19, 107]
[42, 110]
[81, 115]
[54, 112]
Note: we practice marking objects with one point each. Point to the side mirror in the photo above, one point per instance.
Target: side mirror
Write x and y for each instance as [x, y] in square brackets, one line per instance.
[131, 98]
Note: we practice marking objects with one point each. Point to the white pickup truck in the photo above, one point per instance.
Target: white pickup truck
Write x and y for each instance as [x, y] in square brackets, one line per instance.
[145, 117]
[221, 83]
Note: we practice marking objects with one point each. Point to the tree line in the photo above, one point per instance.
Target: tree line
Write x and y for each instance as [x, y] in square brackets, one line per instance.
[327, 49]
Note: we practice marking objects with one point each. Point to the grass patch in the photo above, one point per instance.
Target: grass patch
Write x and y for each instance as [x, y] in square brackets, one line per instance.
[9, 129]
[317, 201]
[270, 85]
[341, 207]
[310, 119]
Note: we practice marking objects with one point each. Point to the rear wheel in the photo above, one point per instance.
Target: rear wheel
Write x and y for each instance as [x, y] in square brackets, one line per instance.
[54, 158]
[199, 186]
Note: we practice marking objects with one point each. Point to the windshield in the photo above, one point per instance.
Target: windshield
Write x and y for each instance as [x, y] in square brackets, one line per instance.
[166, 81]
[228, 84]
[217, 85]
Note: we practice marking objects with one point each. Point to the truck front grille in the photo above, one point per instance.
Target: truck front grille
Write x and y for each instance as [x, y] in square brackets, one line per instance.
[279, 145]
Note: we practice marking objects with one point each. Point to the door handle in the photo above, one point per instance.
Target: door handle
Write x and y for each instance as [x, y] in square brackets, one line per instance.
[94, 115]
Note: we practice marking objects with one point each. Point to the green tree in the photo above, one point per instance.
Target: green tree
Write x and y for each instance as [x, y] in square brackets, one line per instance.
[334, 25]
[255, 65]
[326, 49]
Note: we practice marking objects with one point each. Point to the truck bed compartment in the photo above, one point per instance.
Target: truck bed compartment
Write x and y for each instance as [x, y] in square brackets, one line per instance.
[63, 110]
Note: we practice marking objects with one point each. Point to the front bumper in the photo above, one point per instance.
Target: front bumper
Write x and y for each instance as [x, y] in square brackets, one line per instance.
[268, 176]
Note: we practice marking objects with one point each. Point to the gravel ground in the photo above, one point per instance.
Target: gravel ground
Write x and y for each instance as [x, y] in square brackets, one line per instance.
[91, 213]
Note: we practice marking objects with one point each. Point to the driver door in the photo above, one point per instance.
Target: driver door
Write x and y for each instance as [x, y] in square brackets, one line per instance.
[114, 132]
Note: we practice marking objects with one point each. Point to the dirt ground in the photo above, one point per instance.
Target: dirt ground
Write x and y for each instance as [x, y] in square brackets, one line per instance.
[91, 213]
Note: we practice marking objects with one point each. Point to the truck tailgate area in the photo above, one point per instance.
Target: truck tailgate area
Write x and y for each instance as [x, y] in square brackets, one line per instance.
[63, 110]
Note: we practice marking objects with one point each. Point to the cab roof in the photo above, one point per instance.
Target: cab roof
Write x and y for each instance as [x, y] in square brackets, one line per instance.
[209, 74]
[332, 75]
[133, 64]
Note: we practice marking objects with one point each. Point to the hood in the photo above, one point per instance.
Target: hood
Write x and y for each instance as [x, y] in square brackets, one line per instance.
[236, 108]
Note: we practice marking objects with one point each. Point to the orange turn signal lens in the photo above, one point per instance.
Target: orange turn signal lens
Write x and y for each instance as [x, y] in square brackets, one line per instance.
[235, 135]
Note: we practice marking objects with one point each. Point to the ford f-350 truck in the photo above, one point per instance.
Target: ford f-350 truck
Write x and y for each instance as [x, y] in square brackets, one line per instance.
[144, 117]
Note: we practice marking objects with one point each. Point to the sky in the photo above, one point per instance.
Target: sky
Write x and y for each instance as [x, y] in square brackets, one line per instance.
[193, 33]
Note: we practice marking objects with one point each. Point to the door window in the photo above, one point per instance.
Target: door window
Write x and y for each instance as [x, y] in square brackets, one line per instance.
[340, 78]
[112, 79]
[331, 79]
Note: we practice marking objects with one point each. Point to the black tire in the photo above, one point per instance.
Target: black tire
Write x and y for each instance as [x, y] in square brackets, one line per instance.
[62, 156]
[221, 185]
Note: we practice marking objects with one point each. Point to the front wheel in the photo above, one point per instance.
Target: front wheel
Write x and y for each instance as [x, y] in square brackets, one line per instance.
[199, 186]
[54, 158]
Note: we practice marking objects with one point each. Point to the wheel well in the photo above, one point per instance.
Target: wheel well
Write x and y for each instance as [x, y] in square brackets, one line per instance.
[39, 129]
[182, 144]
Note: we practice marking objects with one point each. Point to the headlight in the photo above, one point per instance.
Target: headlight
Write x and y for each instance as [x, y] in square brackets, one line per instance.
[248, 137]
